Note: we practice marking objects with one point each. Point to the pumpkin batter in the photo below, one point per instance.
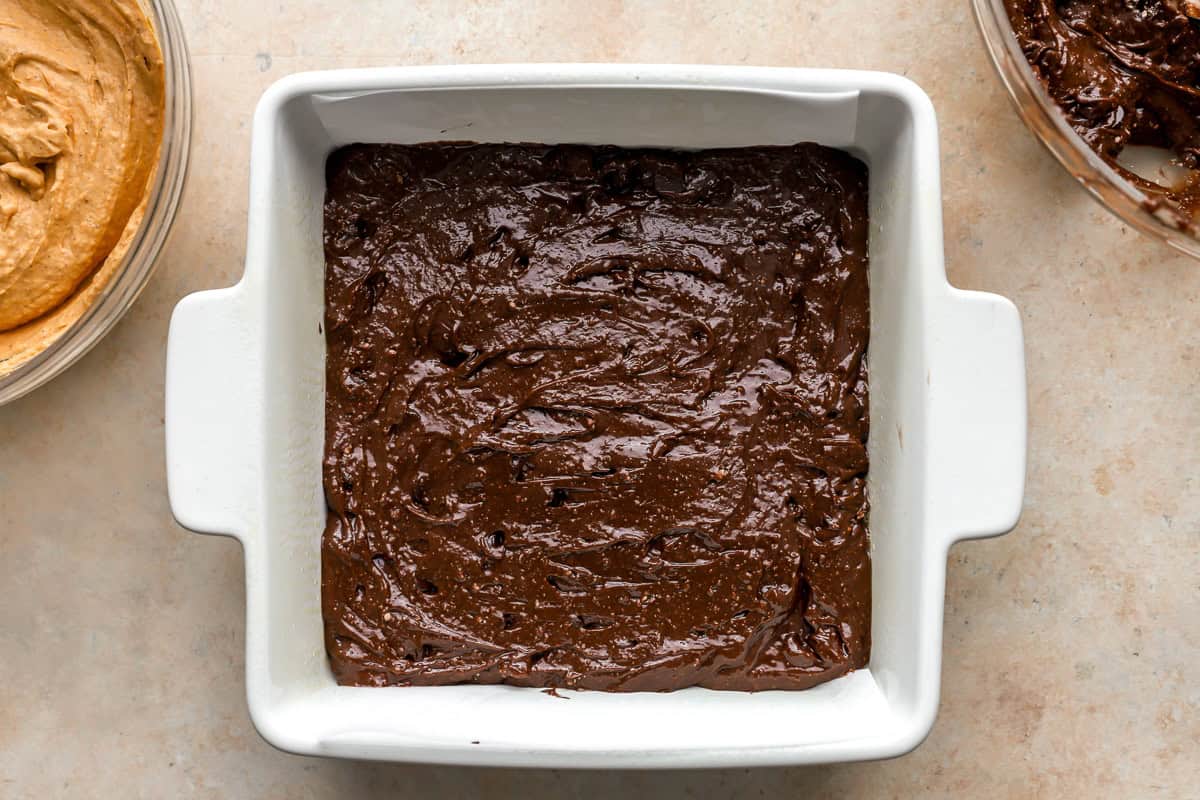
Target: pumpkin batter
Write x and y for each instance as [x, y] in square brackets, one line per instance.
[81, 122]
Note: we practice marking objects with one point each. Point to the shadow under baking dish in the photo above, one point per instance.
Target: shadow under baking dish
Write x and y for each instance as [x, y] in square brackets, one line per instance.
[245, 413]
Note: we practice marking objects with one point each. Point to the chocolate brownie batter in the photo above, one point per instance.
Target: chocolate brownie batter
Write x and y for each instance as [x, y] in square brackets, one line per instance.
[596, 418]
[1125, 72]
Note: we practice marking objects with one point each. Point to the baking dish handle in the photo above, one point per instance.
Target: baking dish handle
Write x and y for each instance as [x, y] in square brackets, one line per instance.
[210, 370]
[977, 415]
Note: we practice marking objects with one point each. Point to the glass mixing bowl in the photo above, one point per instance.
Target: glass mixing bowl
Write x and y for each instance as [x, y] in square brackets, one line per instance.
[142, 256]
[1040, 112]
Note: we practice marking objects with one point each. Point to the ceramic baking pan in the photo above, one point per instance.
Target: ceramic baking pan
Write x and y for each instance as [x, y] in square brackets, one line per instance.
[245, 414]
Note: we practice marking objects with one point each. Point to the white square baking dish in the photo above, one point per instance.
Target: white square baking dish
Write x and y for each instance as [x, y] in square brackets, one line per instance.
[245, 414]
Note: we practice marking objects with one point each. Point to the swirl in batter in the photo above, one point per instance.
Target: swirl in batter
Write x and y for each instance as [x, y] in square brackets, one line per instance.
[81, 123]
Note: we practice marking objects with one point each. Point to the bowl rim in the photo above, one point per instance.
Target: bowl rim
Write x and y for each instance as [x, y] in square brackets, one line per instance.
[1045, 120]
[140, 261]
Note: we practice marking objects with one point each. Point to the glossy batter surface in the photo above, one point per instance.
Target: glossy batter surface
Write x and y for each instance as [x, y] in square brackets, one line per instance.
[596, 418]
[1125, 72]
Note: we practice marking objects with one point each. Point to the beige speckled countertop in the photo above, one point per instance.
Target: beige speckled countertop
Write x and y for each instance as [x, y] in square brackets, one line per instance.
[1072, 654]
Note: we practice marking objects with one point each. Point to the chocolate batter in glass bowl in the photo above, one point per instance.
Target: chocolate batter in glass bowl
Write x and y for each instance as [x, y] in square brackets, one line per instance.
[1095, 78]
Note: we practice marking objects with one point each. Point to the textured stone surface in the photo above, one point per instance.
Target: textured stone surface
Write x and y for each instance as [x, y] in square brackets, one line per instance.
[1072, 655]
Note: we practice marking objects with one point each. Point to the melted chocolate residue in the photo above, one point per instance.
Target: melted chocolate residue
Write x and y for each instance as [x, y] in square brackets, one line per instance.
[1124, 72]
